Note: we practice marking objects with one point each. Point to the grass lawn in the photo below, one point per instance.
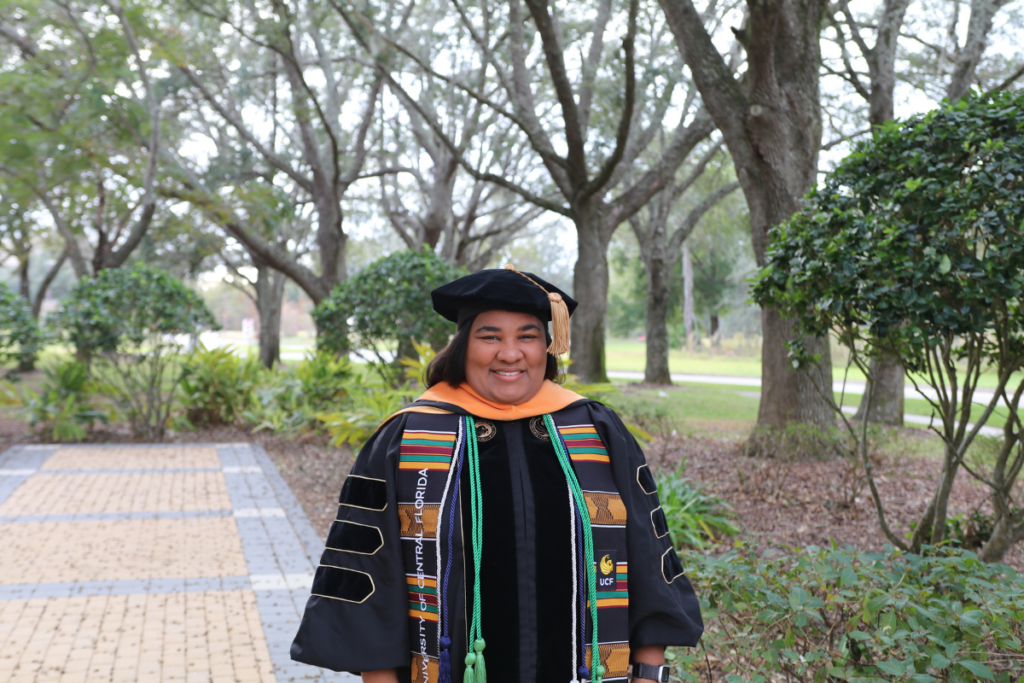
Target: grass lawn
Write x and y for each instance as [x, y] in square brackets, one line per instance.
[630, 356]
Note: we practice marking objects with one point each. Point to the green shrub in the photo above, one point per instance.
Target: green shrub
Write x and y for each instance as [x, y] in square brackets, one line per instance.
[123, 308]
[288, 401]
[217, 385]
[20, 336]
[325, 378]
[696, 519]
[843, 615]
[63, 408]
[132, 325]
[386, 305]
[367, 410]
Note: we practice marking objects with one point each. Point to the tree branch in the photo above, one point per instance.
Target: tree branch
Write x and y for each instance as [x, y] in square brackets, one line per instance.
[658, 177]
[694, 216]
[554, 56]
[118, 256]
[44, 286]
[25, 44]
[236, 123]
[622, 135]
[1008, 81]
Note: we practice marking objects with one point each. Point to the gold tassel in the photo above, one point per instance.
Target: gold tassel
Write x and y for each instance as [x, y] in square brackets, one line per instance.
[559, 325]
[559, 318]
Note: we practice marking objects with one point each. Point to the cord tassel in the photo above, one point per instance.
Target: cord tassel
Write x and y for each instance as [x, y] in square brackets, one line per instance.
[559, 317]
[468, 676]
[481, 670]
[559, 325]
[444, 665]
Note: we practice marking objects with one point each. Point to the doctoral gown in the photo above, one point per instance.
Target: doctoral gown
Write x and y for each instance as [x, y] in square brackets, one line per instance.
[396, 575]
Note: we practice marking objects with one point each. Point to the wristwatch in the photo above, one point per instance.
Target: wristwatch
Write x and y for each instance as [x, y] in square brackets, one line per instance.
[651, 672]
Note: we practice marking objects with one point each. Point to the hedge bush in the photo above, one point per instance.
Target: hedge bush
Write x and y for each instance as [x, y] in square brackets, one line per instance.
[837, 614]
[385, 304]
[20, 336]
[122, 307]
[128, 324]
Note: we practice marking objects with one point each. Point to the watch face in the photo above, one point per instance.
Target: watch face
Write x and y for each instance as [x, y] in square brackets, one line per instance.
[664, 674]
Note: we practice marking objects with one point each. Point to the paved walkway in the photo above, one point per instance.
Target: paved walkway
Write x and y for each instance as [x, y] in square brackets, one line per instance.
[151, 563]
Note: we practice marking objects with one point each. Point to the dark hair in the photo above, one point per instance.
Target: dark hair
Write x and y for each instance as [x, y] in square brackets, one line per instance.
[449, 365]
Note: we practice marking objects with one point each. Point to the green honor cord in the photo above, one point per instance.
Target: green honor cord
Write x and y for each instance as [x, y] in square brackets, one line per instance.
[597, 671]
[475, 670]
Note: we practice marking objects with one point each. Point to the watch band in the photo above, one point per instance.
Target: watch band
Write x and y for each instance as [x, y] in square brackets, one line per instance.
[651, 672]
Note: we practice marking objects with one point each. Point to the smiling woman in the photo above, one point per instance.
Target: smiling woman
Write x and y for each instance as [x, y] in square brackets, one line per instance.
[577, 578]
[502, 355]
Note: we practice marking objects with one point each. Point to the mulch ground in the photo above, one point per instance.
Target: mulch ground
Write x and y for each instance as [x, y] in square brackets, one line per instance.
[800, 504]
[776, 502]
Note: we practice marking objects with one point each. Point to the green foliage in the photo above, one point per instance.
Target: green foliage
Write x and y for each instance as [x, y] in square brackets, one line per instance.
[325, 378]
[289, 401]
[385, 304]
[843, 615]
[366, 412]
[217, 385]
[123, 308]
[696, 519]
[20, 336]
[63, 408]
[915, 238]
[914, 248]
[128, 323]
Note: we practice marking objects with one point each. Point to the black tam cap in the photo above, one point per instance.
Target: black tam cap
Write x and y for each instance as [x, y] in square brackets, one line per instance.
[508, 290]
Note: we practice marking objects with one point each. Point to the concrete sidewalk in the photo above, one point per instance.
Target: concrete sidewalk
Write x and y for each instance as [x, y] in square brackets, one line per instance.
[151, 563]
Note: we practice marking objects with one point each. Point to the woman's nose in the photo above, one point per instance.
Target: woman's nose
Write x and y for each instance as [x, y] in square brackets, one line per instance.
[509, 352]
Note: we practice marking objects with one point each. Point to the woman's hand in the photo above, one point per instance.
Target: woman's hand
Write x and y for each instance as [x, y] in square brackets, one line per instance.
[649, 654]
[381, 676]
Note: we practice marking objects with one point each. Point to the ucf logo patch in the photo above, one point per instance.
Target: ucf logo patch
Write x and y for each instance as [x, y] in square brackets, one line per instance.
[605, 561]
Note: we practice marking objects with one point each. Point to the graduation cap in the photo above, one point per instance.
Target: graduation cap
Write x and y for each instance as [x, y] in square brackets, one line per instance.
[508, 290]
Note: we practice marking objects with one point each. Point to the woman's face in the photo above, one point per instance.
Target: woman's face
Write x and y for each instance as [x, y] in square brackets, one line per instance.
[506, 357]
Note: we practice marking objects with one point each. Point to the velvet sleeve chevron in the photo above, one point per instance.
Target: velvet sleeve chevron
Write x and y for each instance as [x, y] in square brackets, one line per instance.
[663, 607]
[356, 618]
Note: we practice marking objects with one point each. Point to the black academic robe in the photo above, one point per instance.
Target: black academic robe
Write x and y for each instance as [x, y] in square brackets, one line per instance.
[358, 618]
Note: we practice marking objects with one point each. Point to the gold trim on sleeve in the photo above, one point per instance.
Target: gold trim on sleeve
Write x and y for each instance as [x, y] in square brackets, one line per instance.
[356, 552]
[356, 571]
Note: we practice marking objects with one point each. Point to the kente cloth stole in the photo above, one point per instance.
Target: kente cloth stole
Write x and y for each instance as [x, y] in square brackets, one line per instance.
[427, 454]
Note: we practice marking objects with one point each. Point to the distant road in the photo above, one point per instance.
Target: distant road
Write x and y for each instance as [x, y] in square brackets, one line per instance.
[982, 396]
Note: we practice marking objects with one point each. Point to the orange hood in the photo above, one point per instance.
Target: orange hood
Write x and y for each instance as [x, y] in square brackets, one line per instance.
[549, 399]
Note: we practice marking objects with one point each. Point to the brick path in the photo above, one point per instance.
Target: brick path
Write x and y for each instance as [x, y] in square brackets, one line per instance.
[151, 563]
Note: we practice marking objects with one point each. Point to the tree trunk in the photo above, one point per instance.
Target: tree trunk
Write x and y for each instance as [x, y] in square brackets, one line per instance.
[771, 123]
[789, 395]
[887, 400]
[887, 385]
[658, 272]
[44, 286]
[716, 340]
[978, 28]
[269, 295]
[23, 283]
[1005, 533]
[590, 288]
[688, 314]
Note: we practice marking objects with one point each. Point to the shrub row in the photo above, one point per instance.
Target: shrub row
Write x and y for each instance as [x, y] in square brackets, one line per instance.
[837, 614]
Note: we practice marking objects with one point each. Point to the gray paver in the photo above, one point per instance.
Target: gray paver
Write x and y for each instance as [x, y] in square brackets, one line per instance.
[115, 516]
[273, 545]
[281, 548]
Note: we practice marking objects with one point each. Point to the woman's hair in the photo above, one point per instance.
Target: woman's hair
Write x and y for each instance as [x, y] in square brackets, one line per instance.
[449, 365]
